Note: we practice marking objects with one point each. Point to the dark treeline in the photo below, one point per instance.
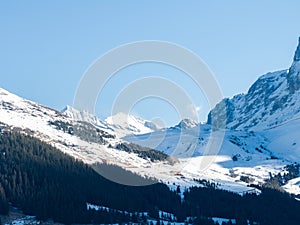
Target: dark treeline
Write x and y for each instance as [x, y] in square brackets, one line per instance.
[271, 207]
[42, 181]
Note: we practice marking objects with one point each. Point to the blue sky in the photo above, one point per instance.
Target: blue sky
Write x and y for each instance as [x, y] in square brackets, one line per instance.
[46, 46]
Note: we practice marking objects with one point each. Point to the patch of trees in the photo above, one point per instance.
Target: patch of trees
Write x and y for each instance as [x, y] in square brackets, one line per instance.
[90, 133]
[206, 183]
[143, 152]
[63, 126]
[85, 131]
[246, 179]
[3, 201]
[278, 180]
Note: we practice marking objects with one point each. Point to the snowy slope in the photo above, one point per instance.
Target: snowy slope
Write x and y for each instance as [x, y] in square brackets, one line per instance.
[33, 119]
[192, 142]
[242, 154]
[293, 186]
[285, 140]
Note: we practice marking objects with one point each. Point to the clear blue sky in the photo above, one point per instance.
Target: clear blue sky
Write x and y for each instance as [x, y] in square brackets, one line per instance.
[45, 46]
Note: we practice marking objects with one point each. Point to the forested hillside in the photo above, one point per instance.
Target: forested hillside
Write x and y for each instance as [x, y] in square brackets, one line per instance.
[43, 181]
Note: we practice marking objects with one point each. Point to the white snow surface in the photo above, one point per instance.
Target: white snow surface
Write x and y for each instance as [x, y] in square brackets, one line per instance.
[221, 220]
[26, 220]
[293, 186]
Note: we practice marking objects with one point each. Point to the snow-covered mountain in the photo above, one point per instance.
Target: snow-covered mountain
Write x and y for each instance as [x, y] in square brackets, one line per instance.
[86, 116]
[125, 125]
[273, 99]
[186, 124]
[120, 124]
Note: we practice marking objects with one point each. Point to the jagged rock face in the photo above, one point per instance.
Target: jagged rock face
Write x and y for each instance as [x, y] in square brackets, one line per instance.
[220, 114]
[293, 77]
[297, 53]
[273, 99]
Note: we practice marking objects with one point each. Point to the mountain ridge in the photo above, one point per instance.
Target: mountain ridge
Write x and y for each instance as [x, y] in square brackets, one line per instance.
[119, 124]
[271, 100]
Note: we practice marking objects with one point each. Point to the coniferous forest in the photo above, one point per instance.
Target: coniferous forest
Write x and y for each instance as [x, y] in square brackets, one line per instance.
[42, 181]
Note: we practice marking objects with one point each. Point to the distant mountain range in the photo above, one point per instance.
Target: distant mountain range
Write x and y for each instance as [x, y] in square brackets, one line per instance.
[120, 124]
[261, 138]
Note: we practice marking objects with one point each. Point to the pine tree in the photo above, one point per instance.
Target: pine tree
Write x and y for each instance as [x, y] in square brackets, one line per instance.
[3, 202]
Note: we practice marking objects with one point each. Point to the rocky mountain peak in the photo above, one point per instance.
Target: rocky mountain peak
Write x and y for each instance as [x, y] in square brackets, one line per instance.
[273, 99]
[186, 124]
